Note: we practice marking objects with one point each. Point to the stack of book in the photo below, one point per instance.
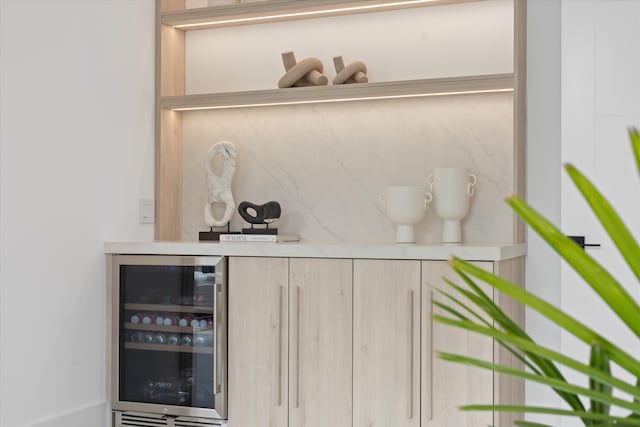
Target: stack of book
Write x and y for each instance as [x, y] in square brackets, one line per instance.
[256, 238]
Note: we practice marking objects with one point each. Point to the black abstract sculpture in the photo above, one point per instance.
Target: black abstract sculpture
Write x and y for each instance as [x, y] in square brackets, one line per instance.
[259, 214]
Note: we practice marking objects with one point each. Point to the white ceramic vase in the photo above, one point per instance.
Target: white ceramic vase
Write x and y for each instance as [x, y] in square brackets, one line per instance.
[405, 207]
[452, 190]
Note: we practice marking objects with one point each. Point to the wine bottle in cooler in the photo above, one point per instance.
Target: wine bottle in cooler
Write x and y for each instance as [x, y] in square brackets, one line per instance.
[186, 340]
[173, 339]
[159, 319]
[201, 340]
[200, 322]
[147, 319]
[148, 338]
[159, 338]
[136, 337]
[170, 320]
[185, 321]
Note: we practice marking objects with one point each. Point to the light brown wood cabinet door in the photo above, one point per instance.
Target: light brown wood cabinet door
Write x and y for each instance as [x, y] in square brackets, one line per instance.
[386, 343]
[258, 341]
[320, 337]
[446, 385]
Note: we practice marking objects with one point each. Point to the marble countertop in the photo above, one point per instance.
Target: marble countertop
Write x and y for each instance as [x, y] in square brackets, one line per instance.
[468, 251]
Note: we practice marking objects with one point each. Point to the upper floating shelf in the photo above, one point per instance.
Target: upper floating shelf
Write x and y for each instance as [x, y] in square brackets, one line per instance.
[341, 93]
[284, 10]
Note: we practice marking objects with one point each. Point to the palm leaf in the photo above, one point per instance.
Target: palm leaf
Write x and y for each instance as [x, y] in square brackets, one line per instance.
[469, 310]
[532, 347]
[479, 297]
[635, 144]
[637, 398]
[511, 335]
[595, 395]
[456, 301]
[599, 361]
[482, 300]
[611, 292]
[552, 313]
[609, 419]
[610, 220]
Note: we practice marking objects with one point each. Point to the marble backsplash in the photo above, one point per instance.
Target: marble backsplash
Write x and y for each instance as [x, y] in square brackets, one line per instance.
[327, 163]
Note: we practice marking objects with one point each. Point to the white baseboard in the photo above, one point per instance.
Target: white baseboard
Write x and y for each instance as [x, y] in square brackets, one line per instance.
[93, 415]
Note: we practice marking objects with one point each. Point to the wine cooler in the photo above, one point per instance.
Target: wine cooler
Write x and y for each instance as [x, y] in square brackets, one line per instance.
[169, 340]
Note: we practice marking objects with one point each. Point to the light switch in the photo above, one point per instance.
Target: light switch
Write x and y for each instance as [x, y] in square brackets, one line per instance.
[147, 211]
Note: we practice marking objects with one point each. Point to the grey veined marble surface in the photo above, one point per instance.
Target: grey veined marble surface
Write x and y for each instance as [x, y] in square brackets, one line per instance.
[327, 163]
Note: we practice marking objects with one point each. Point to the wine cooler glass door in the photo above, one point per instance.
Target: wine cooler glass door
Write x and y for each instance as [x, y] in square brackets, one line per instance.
[170, 336]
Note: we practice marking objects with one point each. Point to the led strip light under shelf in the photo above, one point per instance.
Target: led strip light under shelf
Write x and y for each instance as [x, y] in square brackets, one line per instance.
[297, 11]
[500, 83]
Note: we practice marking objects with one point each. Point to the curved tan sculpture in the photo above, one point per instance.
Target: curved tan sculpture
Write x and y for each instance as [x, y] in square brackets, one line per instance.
[307, 72]
[356, 72]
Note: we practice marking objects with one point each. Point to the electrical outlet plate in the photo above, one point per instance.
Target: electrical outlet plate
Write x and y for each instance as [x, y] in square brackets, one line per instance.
[147, 211]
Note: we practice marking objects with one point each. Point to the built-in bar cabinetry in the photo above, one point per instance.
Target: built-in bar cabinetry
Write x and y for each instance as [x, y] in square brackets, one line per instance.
[350, 342]
[173, 20]
[291, 320]
[342, 335]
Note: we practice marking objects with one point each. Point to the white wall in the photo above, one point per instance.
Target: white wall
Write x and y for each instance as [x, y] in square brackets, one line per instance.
[76, 154]
[543, 175]
[600, 99]
[583, 91]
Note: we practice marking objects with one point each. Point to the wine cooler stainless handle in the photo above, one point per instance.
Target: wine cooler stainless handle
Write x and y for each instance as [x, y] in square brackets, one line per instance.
[217, 331]
[280, 352]
[411, 361]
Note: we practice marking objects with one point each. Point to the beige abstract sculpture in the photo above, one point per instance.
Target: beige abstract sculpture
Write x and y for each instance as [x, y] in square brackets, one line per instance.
[307, 72]
[356, 72]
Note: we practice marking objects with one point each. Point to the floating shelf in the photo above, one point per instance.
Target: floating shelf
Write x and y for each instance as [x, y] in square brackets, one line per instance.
[342, 93]
[284, 10]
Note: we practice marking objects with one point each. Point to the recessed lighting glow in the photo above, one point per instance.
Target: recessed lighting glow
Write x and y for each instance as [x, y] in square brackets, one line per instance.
[326, 101]
[307, 13]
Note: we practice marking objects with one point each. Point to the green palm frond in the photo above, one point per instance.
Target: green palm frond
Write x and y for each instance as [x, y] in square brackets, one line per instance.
[604, 398]
[604, 420]
[634, 134]
[533, 348]
[600, 362]
[469, 308]
[562, 319]
[596, 276]
[609, 219]
[511, 349]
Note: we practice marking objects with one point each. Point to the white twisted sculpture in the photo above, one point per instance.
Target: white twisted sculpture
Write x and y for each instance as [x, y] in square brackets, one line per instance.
[220, 185]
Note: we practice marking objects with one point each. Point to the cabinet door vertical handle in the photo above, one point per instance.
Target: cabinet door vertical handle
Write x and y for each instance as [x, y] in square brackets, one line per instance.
[280, 352]
[411, 361]
[297, 405]
[429, 356]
